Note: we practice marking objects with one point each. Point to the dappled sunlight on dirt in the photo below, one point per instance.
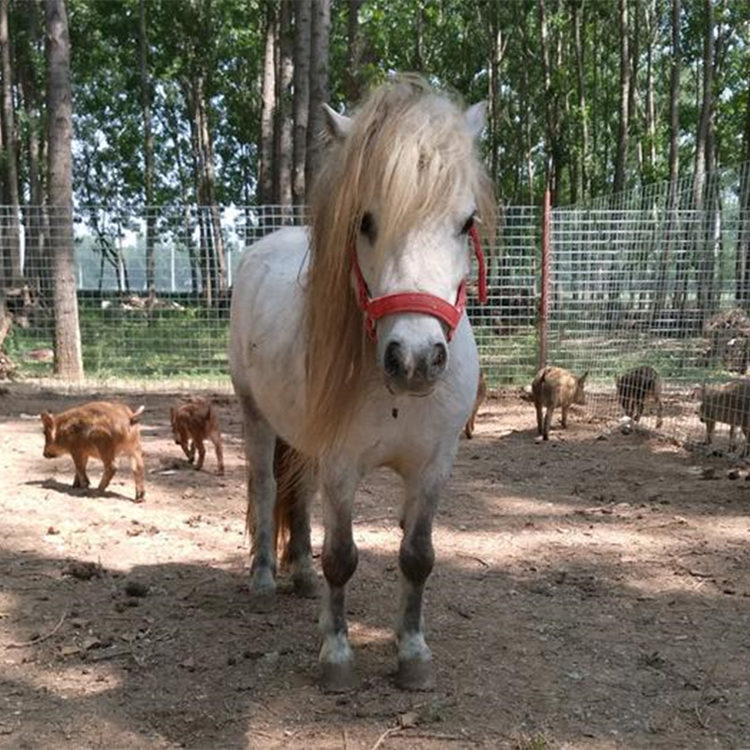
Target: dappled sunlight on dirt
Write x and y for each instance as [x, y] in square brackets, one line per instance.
[592, 591]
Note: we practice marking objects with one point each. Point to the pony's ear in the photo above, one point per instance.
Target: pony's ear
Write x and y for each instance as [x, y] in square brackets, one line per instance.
[475, 117]
[338, 125]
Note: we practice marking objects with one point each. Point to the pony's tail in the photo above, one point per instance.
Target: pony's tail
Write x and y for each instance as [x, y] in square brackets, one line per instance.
[293, 472]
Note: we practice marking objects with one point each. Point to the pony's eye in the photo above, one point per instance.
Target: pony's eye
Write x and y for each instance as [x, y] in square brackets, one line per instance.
[368, 228]
[468, 225]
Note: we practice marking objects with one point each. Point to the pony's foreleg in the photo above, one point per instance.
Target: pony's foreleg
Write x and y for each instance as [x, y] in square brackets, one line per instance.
[416, 558]
[260, 441]
[339, 560]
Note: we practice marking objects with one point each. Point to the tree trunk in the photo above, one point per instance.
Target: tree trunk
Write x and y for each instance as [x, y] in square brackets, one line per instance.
[68, 358]
[36, 268]
[743, 235]
[283, 123]
[319, 50]
[702, 247]
[652, 35]
[418, 54]
[701, 139]
[219, 270]
[302, 21]
[526, 109]
[353, 52]
[671, 231]
[549, 105]
[633, 58]
[497, 50]
[148, 153]
[215, 261]
[184, 183]
[203, 253]
[12, 241]
[674, 96]
[268, 109]
[582, 104]
[622, 130]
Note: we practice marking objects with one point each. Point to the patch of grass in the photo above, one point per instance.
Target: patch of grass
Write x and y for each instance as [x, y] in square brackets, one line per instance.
[190, 344]
[536, 741]
[508, 360]
[116, 343]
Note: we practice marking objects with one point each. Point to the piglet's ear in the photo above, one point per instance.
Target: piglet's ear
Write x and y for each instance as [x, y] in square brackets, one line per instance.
[47, 419]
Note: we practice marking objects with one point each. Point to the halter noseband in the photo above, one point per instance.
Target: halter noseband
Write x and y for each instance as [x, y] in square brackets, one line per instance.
[418, 302]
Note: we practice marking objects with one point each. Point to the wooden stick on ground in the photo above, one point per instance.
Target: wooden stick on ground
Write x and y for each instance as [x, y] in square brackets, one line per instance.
[40, 638]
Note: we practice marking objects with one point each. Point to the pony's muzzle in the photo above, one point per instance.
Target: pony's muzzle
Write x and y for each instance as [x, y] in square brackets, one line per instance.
[414, 371]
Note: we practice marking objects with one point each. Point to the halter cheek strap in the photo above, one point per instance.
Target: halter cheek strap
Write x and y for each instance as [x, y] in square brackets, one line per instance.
[418, 302]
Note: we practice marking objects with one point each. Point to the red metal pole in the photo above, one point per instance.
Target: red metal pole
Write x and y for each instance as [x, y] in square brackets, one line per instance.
[544, 301]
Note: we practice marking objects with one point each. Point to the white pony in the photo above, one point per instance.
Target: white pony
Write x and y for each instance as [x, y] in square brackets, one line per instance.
[349, 342]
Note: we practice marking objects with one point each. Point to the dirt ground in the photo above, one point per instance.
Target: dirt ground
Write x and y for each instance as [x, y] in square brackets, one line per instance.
[590, 592]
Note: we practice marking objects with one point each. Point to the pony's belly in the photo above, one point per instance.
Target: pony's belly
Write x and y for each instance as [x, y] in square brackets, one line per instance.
[280, 397]
[275, 367]
[267, 342]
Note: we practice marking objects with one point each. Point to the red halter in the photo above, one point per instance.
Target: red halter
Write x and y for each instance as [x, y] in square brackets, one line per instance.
[418, 302]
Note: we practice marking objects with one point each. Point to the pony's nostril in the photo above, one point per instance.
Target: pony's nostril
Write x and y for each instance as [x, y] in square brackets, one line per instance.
[393, 361]
[439, 356]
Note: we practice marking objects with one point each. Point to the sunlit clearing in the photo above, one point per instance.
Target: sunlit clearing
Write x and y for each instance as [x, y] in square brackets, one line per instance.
[77, 681]
[362, 634]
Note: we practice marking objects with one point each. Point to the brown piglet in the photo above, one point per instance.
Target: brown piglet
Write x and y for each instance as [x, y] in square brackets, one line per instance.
[193, 421]
[481, 395]
[101, 429]
[553, 387]
[637, 385]
[729, 404]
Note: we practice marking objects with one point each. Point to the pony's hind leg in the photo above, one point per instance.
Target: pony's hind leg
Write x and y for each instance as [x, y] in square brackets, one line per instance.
[261, 495]
[295, 480]
[339, 559]
[416, 558]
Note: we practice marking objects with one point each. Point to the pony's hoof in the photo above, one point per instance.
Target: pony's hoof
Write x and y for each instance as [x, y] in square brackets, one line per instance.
[414, 674]
[338, 677]
[263, 590]
[305, 585]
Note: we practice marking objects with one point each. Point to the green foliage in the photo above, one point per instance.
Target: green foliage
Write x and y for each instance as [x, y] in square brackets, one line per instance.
[131, 345]
[218, 46]
[210, 53]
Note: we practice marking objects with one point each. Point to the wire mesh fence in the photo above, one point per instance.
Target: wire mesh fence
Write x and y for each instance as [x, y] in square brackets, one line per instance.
[154, 289]
[655, 278]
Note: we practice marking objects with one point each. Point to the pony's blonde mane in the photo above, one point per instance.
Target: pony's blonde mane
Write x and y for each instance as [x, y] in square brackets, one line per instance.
[409, 152]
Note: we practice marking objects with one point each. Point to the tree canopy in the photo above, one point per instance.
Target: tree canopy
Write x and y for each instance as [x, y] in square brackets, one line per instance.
[559, 75]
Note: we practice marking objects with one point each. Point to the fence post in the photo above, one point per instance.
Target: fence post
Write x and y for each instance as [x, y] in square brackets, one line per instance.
[172, 275]
[544, 298]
